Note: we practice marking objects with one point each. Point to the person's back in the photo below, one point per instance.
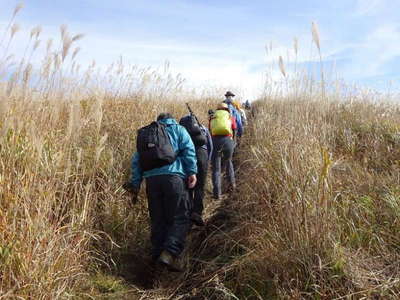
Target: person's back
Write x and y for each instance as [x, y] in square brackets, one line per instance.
[203, 151]
[242, 113]
[223, 147]
[167, 194]
[181, 143]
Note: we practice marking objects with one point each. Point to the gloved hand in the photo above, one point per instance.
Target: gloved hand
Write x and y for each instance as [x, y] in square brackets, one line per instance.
[134, 191]
[127, 186]
[134, 196]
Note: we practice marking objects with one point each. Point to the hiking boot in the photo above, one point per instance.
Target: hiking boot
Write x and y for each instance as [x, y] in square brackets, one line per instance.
[154, 258]
[232, 188]
[172, 263]
[197, 219]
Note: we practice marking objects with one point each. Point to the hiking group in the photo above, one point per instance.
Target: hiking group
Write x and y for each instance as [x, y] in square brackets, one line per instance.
[174, 160]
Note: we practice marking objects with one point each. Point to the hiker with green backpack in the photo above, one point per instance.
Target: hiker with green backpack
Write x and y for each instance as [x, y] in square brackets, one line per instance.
[222, 127]
[203, 144]
[166, 158]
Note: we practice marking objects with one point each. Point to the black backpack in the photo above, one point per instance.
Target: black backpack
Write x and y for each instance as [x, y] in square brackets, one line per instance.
[193, 128]
[154, 147]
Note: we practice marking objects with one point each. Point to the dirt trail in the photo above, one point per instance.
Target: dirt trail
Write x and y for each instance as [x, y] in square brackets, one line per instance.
[210, 255]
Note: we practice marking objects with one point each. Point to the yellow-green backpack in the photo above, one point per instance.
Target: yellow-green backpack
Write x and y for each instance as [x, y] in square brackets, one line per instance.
[221, 123]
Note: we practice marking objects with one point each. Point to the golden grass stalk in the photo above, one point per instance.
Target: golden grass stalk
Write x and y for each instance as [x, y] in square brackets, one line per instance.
[67, 42]
[315, 35]
[75, 53]
[316, 39]
[17, 8]
[14, 29]
[49, 44]
[77, 37]
[36, 45]
[35, 32]
[282, 66]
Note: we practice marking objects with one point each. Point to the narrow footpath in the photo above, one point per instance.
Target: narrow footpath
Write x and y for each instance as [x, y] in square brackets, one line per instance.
[212, 252]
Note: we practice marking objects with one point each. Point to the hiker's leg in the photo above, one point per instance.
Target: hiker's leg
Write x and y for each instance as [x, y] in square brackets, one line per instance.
[202, 166]
[216, 168]
[191, 197]
[156, 212]
[177, 212]
[229, 150]
[224, 173]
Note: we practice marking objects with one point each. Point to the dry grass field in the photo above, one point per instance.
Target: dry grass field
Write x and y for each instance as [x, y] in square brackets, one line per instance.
[316, 215]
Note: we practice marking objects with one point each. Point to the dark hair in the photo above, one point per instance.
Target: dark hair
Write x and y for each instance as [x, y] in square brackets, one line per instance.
[164, 116]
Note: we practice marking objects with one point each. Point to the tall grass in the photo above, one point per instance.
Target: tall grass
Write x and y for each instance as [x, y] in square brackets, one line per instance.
[321, 192]
[324, 213]
[66, 137]
[316, 214]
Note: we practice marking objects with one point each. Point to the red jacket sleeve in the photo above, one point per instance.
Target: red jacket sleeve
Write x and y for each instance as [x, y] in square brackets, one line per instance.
[234, 124]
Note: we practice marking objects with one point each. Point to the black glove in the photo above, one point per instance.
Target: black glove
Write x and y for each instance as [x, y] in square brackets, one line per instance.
[135, 194]
[127, 186]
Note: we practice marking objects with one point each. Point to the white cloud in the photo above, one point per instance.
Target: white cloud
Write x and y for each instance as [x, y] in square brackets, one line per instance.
[228, 62]
[369, 7]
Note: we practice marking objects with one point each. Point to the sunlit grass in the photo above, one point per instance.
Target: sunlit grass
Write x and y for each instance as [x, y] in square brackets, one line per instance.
[317, 211]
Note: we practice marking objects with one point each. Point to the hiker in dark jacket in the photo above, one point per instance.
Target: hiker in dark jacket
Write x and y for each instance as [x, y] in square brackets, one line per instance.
[167, 193]
[247, 105]
[203, 155]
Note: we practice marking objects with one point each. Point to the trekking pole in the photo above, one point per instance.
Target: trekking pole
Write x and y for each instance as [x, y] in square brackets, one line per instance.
[192, 113]
[189, 109]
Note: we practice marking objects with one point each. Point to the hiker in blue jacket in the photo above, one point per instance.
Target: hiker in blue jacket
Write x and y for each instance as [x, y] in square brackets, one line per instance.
[167, 193]
[234, 112]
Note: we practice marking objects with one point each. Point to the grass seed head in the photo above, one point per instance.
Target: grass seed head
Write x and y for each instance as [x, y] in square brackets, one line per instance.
[282, 66]
[315, 35]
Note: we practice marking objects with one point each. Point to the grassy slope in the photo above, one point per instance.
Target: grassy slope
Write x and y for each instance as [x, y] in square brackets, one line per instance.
[317, 211]
[316, 216]
[323, 209]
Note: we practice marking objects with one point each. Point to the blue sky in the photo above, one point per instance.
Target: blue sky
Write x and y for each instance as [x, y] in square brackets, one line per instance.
[223, 42]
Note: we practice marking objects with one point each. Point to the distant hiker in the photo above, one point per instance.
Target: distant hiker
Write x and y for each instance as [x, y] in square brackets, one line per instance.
[210, 114]
[166, 157]
[247, 105]
[229, 101]
[202, 141]
[222, 127]
[241, 111]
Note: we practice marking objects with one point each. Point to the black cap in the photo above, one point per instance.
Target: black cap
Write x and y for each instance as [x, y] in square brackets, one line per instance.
[163, 116]
[229, 94]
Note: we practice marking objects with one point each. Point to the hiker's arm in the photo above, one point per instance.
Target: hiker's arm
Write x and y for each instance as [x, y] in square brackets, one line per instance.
[244, 119]
[210, 145]
[239, 124]
[187, 152]
[234, 127]
[136, 172]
